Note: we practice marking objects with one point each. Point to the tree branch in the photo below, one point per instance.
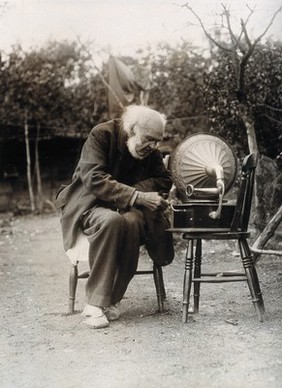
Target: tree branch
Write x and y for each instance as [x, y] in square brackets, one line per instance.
[251, 47]
[270, 107]
[233, 37]
[204, 29]
[268, 26]
[235, 41]
[272, 119]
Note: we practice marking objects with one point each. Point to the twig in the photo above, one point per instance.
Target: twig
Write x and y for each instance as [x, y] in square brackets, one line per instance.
[205, 31]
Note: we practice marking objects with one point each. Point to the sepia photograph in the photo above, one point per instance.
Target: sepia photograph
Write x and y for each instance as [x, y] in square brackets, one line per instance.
[141, 193]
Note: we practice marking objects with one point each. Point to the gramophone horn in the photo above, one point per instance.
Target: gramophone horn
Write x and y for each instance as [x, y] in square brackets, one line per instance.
[203, 166]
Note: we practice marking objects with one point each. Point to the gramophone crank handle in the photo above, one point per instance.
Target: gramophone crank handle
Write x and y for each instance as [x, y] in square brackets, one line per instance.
[216, 214]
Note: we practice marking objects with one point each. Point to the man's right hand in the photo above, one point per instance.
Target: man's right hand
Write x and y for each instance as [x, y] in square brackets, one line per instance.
[152, 201]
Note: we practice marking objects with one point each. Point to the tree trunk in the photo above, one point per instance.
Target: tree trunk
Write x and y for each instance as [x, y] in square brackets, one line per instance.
[250, 129]
[259, 219]
[28, 164]
[38, 173]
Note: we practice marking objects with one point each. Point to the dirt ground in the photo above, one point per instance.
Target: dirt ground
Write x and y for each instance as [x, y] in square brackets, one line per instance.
[41, 346]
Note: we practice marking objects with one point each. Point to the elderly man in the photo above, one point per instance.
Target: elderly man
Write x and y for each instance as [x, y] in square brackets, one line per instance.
[115, 198]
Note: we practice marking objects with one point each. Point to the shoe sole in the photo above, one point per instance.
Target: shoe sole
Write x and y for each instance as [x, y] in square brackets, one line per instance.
[97, 322]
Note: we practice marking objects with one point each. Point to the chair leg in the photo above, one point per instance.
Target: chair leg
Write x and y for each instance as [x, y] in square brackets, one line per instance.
[252, 278]
[187, 280]
[163, 292]
[159, 284]
[197, 274]
[72, 287]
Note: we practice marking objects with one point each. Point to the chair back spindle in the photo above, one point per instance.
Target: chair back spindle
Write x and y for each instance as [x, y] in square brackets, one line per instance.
[242, 211]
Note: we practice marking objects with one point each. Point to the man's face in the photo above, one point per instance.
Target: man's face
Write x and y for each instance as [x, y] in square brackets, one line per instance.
[143, 140]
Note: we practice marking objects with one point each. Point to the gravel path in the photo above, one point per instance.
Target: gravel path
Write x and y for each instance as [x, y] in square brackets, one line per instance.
[41, 346]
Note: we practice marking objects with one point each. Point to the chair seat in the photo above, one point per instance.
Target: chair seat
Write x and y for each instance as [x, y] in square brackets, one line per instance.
[216, 235]
[209, 234]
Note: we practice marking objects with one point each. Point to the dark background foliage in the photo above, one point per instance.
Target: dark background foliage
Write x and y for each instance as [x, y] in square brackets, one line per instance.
[61, 91]
[263, 85]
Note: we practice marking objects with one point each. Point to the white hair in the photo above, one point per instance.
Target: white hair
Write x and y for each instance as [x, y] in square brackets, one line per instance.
[137, 114]
[131, 144]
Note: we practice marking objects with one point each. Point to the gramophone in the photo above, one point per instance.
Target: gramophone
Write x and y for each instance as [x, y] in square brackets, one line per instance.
[203, 169]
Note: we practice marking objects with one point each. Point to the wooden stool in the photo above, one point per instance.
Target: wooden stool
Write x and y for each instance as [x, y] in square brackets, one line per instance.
[157, 273]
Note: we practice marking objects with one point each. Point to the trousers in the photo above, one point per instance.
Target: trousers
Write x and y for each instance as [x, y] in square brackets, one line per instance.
[115, 240]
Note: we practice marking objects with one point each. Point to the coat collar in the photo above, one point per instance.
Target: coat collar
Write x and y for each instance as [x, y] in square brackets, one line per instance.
[122, 135]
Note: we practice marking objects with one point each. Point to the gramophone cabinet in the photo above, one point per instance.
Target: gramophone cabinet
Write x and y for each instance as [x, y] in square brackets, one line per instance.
[195, 214]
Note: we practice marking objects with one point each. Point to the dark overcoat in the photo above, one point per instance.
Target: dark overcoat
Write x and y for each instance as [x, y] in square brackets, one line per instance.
[107, 175]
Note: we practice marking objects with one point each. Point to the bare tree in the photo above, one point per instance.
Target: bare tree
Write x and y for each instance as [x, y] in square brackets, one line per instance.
[240, 48]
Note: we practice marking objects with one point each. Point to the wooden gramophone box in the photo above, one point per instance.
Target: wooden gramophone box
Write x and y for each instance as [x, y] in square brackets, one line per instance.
[195, 215]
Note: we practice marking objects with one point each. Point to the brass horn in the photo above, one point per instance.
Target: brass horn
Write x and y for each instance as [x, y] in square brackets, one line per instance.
[203, 166]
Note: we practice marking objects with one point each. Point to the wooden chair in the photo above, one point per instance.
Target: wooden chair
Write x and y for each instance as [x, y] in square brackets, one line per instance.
[156, 271]
[238, 230]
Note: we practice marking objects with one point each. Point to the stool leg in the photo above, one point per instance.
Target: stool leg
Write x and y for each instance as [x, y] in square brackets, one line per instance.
[197, 274]
[72, 287]
[252, 278]
[159, 284]
[187, 280]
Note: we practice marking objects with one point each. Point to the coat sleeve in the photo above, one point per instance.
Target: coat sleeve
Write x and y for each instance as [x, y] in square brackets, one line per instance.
[95, 175]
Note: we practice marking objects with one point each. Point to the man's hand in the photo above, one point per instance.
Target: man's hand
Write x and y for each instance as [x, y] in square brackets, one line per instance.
[152, 201]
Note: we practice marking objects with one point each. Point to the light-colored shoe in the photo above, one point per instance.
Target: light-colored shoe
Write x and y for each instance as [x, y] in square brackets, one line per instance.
[90, 311]
[112, 312]
[95, 317]
[97, 322]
